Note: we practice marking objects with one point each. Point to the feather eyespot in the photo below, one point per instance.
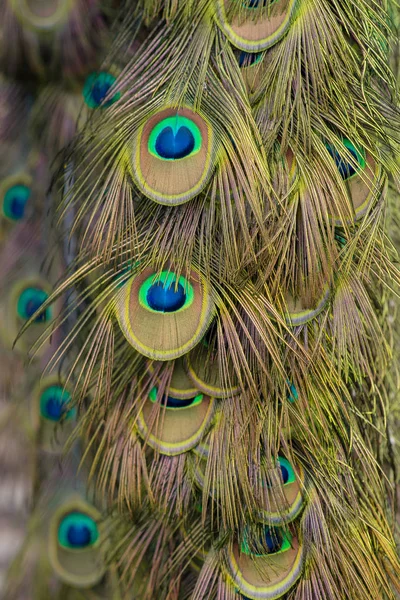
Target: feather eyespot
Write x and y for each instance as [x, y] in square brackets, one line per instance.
[182, 425]
[15, 200]
[29, 302]
[77, 530]
[250, 34]
[267, 566]
[76, 543]
[97, 88]
[362, 176]
[173, 155]
[164, 315]
[349, 166]
[55, 404]
[281, 499]
[288, 474]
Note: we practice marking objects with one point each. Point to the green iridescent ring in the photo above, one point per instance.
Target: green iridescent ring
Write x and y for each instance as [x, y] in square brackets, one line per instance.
[168, 281]
[172, 126]
[77, 531]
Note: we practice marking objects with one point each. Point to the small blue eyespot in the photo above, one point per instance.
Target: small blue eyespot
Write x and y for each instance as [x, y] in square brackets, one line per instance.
[96, 89]
[29, 301]
[15, 200]
[55, 404]
[77, 531]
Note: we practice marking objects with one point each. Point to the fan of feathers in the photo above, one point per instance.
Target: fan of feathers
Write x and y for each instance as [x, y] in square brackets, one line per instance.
[199, 239]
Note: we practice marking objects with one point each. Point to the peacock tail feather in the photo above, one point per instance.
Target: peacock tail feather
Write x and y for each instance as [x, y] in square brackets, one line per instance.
[198, 299]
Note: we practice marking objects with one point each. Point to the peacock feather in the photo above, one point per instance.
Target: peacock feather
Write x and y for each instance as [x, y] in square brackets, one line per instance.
[198, 299]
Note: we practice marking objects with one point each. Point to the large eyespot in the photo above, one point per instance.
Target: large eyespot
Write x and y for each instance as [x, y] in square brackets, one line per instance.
[75, 548]
[98, 87]
[255, 32]
[299, 311]
[55, 404]
[282, 497]
[53, 414]
[29, 302]
[361, 174]
[15, 193]
[42, 14]
[174, 154]
[180, 387]
[204, 370]
[162, 315]
[270, 572]
[177, 429]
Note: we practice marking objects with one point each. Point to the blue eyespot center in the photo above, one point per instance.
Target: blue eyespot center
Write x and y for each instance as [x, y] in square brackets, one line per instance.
[346, 169]
[166, 296]
[29, 301]
[96, 89]
[79, 535]
[15, 200]
[55, 404]
[272, 540]
[171, 402]
[258, 3]
[284, 473]
[177, 144]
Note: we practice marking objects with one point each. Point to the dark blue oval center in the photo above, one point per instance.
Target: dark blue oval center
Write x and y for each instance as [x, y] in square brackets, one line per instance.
[79, 535]
[55, 408]
[166, 299]
[99, 91]
[174, 145]
[171, 402]
[273, 540]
